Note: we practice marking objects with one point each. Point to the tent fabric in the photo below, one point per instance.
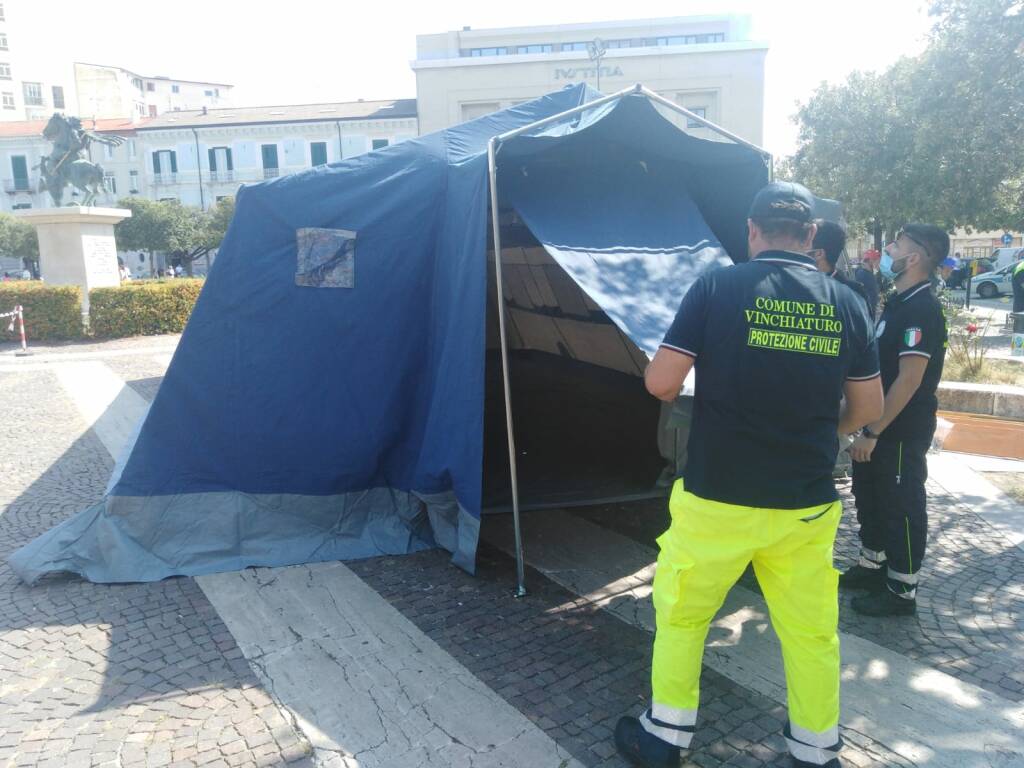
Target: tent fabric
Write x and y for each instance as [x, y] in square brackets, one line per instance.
[326, 398]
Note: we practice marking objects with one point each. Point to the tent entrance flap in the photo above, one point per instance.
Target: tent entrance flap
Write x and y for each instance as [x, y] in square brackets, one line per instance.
[586, 430]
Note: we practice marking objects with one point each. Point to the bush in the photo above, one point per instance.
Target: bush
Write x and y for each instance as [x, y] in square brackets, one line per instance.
[143, 308]
[51, 311]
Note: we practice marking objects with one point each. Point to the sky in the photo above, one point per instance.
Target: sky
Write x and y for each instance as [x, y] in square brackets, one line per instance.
[304, 51]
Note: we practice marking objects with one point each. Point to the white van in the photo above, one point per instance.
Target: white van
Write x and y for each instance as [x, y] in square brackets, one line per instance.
[1005, 256]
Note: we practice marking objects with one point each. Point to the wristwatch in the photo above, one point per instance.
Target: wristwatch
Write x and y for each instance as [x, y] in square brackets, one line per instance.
[866, 432]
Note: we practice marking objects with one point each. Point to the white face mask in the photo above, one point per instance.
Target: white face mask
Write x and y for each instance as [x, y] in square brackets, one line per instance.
[886, 266]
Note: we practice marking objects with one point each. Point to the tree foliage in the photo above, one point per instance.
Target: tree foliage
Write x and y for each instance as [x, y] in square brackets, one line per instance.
[18, 240]
[938, 137]
[184, 232]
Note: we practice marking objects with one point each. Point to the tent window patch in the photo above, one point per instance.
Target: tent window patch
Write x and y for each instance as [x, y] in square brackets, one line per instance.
[326, 258]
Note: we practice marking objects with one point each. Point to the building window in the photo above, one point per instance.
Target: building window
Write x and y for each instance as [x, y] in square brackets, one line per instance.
[8, 100]
[488, 51]
[618, 43]
[3, 16]
[5, 71]
[33, 94]
[216, 92]
[141, 109]
[380, 143]
[269, 155]
[472, 111]
[3, 41]
[133, 182]
[318, 153]
[717, 37]
[165, 166]
[19, 170]
[21, 206]
[699, 112]
[108, 151]
[208, 94]
[152, 110]
[110, 182]
[58, 97]
[534, 49]
[131, 149]
[150, 86]
[222, 166]
[574, 46]
[137, 83]
[175, 88]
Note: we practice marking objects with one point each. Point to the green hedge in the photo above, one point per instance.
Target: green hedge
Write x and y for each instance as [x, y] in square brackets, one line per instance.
[51, 311]
[142, 308]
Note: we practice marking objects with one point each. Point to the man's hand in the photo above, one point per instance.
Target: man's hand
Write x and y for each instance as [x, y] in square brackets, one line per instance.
[862, 448]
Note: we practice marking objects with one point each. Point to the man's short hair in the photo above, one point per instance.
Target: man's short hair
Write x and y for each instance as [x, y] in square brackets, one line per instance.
[777, 229]
[830, 238]
[934, 241]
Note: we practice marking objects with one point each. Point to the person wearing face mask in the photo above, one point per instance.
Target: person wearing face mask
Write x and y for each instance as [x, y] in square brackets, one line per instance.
[889, 457]
[828, 245]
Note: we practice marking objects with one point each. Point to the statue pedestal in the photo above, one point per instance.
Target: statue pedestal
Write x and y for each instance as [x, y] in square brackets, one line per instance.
[76, 246]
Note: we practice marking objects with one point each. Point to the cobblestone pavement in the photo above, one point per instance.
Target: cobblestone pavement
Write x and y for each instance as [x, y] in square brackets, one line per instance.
[571, 668]
[149, 675]
[90, 675]
[970, 618]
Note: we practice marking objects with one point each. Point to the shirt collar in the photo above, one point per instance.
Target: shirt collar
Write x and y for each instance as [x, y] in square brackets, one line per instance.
[914, 290]
[787, 257]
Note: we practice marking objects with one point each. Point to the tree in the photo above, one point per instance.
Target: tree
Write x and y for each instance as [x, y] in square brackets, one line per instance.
[196, 232]
[935, 138]
[147, 229]
[18, 239]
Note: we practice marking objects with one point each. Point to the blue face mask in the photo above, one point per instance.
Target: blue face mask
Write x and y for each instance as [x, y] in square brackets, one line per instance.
[885, 266]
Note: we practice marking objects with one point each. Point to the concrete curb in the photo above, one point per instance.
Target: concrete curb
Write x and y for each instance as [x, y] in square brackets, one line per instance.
[1000, 400]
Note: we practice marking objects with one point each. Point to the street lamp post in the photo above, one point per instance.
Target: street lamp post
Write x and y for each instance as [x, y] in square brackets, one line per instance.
[596, 51]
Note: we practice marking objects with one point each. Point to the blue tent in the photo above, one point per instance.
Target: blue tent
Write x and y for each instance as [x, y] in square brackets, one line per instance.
[329, 395]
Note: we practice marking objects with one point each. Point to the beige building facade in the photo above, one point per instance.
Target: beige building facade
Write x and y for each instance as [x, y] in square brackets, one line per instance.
[107, 92]
[708, 64]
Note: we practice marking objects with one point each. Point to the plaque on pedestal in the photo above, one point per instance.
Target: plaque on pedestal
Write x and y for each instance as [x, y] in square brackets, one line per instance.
[76, 246]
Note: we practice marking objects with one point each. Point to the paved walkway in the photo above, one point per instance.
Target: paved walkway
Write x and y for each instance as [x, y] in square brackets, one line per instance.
[409, 661]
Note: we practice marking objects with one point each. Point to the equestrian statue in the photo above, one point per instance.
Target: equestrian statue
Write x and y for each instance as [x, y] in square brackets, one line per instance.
[68, 161]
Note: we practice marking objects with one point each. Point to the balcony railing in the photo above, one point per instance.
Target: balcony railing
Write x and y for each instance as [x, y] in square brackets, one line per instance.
[12, 186]
[217, 177]
[165, 178]
[271, 173]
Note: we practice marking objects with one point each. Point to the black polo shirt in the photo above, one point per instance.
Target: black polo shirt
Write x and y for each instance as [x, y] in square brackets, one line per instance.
[774, 341]
[913, 323]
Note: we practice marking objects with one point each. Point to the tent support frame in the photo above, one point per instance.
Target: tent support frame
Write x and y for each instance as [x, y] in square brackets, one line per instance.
[493, 146]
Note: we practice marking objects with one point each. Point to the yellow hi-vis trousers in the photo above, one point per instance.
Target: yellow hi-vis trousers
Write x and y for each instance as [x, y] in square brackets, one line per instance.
[703, 553]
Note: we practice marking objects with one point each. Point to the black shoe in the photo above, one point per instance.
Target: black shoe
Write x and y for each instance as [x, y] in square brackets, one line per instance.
[833, 763]
[859, 577]
[642, 748]
[884, 603]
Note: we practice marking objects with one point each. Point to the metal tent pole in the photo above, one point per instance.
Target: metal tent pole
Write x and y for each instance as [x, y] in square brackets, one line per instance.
[493, 173]
[492, 150]
[657, 97]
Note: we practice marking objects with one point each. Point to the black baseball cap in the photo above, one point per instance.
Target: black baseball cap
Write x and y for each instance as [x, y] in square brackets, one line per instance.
[783, 200]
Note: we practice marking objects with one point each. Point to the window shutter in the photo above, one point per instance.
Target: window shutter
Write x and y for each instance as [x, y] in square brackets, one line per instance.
[212, 153]
[156, 162]
[174, 162]
[231, 165]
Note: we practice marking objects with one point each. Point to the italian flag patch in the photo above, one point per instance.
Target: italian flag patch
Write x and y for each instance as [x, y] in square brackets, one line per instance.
[912, 337]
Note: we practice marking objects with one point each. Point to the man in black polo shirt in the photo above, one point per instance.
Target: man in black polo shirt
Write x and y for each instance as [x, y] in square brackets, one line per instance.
[889, 458]
[828, 245]
[775, 344]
